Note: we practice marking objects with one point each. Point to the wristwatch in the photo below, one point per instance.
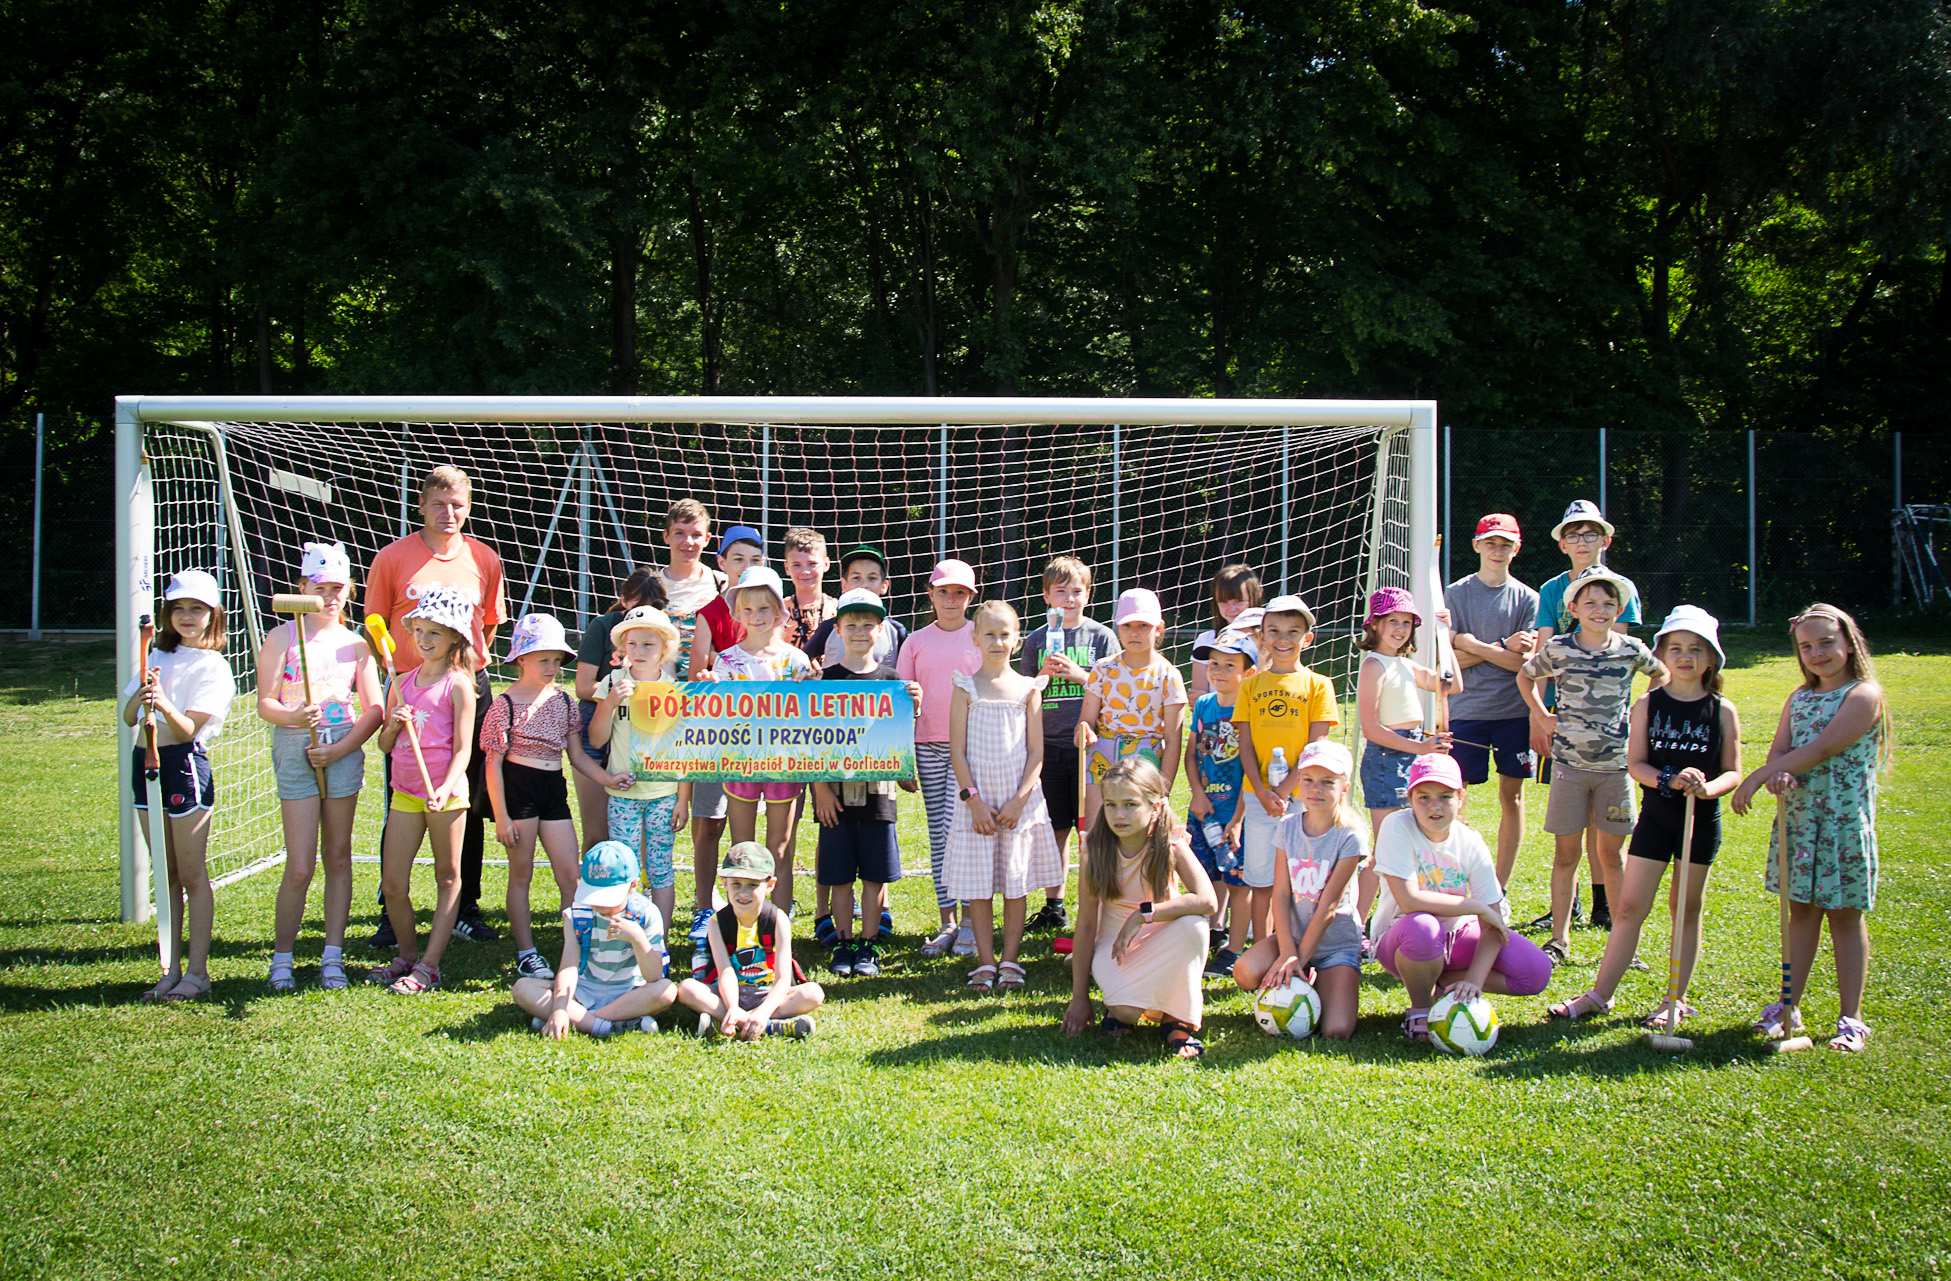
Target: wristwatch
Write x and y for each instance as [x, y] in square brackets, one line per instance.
[1145, 910]
[969, 793]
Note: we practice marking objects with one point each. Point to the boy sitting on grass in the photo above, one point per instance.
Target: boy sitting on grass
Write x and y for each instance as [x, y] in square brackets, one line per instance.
[743, 992]
[612, 945]
[857, 818]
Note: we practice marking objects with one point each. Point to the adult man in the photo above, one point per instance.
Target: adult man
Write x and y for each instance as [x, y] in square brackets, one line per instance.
[1492, 617]
[439, 554]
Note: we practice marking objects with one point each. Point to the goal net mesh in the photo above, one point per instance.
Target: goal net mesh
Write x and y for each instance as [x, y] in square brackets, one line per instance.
[572, 509]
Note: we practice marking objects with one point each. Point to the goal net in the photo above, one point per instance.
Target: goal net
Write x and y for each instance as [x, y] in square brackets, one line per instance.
[1319, 497]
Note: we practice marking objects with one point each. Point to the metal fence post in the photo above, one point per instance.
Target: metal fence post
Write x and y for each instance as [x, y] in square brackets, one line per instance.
[585, 514]
[1117, 446]
[1449, 517]
[1897, 480]
[1286, 502]
[1602, 472]
[765, 484]
[34, 593]
[941, 501]
[1752, 571]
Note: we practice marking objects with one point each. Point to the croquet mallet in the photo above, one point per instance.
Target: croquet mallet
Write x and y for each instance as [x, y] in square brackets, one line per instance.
[298, 606]
[152, 773]
[382, 641]
[1670, 1040]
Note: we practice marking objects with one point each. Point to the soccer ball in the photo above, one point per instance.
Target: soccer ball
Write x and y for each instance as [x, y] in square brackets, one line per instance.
[1462, 1027]
[1292, 1009]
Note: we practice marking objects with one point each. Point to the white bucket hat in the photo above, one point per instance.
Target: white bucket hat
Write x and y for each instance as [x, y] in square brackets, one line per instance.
[326, 563]
[445, 606]
[1692, 618]
[766, 577]
[537, 633]
[1582, 509]
[194, 584]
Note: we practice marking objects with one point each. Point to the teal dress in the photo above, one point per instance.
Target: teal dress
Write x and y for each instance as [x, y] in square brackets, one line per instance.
[1831, 818]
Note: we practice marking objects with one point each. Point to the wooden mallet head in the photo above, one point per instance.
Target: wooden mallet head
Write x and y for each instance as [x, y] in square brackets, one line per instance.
[296, 603]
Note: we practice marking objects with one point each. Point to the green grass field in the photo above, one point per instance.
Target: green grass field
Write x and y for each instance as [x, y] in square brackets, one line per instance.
[928, 1133]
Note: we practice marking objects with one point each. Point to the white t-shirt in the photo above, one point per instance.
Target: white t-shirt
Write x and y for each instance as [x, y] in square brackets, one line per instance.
[1461, 867]
[193, 680]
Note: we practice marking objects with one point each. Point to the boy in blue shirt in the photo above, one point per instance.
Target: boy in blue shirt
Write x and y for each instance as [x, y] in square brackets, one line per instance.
[1215, 778]
[612, 946]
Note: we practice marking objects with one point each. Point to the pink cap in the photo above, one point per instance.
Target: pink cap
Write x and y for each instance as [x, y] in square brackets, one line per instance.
[1435, 768]
[1139, 605]
[1393, 600]
[1329, 755]
[953, 573]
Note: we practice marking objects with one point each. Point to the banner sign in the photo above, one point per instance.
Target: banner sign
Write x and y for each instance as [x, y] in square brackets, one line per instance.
[778, 731]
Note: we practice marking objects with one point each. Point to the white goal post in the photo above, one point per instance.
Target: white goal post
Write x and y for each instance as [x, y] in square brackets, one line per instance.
[1327, 498]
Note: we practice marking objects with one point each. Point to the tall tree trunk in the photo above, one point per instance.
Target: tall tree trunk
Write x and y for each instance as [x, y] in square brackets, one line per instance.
[704, 253]
[301, 355]
[1004, 263]
[264, 366]
[624, 251]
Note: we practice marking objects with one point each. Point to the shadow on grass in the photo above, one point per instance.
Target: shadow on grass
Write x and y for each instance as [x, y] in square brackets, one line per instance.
[1575, 1053]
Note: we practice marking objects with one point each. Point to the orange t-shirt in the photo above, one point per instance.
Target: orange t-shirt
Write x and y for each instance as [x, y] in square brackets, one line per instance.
[403, 568]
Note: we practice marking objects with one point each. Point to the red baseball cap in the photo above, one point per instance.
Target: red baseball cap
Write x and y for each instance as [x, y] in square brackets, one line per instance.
[1498, 523]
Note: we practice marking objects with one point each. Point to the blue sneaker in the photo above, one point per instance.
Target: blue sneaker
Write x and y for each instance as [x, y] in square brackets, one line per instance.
[825, 933]
[887, 922]
[700, 924]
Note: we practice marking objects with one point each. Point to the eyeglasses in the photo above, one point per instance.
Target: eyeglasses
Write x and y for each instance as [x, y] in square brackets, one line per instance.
[1589, 536]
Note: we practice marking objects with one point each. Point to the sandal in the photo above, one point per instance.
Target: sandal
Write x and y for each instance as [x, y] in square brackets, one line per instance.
[391, 972]
[1181, 1040]
[331, 976]
[190, 987]
[1769, 1021]
[1559, 953]
[939, 945]
[1852, 1036]
[982, 978]
[1013, 976]
[162, 988]
[1111, 1025]
[1586, 1002]
[281, 979]
[420, 978]
[1656, 1021]
[1415, 1025]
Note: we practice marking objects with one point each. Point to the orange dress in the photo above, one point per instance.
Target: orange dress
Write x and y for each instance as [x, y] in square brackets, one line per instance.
[1161, 970]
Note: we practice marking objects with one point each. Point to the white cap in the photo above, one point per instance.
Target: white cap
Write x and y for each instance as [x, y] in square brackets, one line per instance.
[1692, 618]
[1329, 755]
[538, 633]
[1287, 605]
[1582, 510]
[763, 576]
[859, 598]
[194, 584]
[326, 563]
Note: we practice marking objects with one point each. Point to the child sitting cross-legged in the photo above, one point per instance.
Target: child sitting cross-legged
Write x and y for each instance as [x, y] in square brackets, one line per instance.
[612, 974]
[751, 987]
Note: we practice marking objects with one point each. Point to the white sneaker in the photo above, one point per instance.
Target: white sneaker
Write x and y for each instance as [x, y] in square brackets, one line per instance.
[964, 941]
[647, 1024]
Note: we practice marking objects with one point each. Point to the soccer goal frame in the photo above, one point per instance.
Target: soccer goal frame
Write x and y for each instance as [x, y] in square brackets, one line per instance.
[1401, 533]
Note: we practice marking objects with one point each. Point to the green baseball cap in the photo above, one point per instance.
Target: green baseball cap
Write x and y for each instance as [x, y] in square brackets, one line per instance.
[864, 552]
[748, 859]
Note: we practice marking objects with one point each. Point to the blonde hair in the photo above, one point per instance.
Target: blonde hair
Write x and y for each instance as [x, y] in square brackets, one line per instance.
[1861, 666]
[1100, 870]
[1345, 815]
[666, 634]
[687, 509]
[740, 593]
[801, 539]
[447, 476]
[1067, 569]
[998, 611]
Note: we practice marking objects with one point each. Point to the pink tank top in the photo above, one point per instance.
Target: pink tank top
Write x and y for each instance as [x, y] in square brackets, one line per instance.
[331, 658]
[433, 714]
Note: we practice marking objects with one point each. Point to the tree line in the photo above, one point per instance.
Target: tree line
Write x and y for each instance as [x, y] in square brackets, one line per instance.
[1699, 214]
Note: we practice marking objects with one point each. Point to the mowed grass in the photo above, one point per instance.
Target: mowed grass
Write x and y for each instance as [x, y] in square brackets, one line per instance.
[925, 1132]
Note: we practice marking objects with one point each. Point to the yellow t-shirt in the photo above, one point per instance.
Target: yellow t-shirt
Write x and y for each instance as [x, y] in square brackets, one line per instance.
[1278, 709]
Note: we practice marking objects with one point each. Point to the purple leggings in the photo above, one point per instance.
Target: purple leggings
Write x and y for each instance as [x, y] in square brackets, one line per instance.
[1422, 937]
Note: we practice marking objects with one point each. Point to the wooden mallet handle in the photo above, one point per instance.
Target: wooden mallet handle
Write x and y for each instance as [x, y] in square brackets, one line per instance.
[383, 642]
[1682, 870]
[152, 762]
[1785, 1044]
[298, 605]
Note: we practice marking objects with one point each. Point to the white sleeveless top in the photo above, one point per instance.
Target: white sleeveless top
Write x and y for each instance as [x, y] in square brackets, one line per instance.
[1397, 702]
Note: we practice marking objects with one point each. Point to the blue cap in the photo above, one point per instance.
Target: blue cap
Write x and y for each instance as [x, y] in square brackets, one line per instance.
[741, 534]
[1228, 642]
[609, 874]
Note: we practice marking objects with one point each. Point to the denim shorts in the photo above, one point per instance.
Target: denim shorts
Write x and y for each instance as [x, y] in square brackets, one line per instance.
[1385, 773]
[1349, 956]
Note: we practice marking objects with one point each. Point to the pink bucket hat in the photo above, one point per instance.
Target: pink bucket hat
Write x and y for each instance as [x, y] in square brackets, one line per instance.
[1139, 605]
[1435, 768]
[953, 573]
[1392, 600]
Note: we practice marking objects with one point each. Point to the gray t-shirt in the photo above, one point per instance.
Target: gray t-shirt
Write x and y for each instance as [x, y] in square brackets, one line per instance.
[1489, 614]
[1310, 860]
[1084, 645]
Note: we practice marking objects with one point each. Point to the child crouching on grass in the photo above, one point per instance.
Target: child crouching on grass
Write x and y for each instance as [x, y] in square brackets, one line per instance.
[752, 986]
[612, 973]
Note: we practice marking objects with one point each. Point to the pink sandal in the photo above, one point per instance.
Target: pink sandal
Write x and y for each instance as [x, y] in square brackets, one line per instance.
[390, 973]
[1415, 1025]
[1570, 1011]
[421, 978]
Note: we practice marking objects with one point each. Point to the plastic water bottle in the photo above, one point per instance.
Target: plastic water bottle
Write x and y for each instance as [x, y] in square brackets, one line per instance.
[1215, 833]
[1277, 768]
[1053, 631]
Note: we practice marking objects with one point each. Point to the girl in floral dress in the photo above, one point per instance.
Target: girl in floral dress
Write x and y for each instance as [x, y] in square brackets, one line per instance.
[1833, 737]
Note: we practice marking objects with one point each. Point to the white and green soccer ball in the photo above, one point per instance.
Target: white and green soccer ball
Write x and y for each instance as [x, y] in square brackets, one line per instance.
[1291, 1009]
[1463, 1027]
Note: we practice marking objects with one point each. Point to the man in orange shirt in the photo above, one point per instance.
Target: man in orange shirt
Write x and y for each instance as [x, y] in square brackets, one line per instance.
[441, 555]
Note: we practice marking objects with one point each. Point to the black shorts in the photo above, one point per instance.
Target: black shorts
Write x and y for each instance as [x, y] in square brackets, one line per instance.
[1509, 739]
[1060, 784]
[857, 850]
[534, 793]
[1662, 819]
[186, 780]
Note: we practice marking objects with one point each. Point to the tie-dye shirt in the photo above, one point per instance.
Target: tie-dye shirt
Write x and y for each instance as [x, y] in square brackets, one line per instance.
[1460, 867]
